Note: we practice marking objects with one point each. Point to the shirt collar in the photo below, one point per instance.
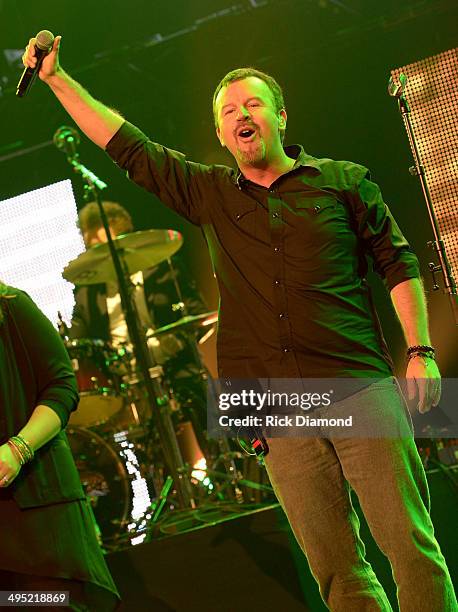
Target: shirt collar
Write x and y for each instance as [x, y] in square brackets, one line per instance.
[296, 152]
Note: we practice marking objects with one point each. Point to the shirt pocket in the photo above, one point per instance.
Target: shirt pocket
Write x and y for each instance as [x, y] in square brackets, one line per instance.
[322, 210]
[324, 229]
[236, 224]
[316, 205]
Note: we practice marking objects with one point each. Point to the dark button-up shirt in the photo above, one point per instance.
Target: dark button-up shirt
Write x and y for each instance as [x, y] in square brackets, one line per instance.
[290, 260]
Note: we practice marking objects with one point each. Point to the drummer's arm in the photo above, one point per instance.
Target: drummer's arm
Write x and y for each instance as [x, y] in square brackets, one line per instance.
[96, 120]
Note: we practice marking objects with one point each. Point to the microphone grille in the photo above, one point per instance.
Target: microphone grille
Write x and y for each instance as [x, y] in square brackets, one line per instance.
[45, 40]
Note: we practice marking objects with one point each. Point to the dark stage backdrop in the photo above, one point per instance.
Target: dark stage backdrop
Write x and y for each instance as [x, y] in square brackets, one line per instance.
[158, 63]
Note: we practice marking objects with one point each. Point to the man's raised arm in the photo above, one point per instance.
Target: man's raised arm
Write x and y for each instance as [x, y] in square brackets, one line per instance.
[96, 120]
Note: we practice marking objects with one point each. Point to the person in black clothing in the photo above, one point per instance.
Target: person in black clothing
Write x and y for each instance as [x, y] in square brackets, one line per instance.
[289, 235]
[47, 535]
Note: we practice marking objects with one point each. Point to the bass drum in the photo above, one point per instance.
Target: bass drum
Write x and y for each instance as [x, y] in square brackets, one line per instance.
[105, 482]
[98, 369]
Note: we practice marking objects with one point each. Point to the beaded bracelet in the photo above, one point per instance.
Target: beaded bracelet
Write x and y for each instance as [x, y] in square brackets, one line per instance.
[421, 350]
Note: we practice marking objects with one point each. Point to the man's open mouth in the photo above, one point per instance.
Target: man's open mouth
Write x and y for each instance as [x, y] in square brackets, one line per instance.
[246, 134]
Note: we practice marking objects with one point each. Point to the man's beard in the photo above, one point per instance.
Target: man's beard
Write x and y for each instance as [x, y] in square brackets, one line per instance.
[252, 155]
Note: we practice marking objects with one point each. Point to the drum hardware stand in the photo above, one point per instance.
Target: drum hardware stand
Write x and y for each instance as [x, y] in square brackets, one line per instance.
[231, 475]
[232, 480]
[396, 90]
[181, 304]
[62, 327]
[159, 503]
[235, 480]
[244, 482]
[190, 341]
[66, 139]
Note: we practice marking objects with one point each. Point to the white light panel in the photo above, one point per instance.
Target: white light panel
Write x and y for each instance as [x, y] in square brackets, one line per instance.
[39, 237]
[432, 93]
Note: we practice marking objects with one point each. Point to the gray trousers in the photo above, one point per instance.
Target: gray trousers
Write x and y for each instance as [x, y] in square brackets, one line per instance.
[312, 479]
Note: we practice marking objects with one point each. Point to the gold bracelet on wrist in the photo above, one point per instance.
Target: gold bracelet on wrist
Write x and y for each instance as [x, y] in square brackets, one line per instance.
[23, 447]
[16, 452]
[29, 450]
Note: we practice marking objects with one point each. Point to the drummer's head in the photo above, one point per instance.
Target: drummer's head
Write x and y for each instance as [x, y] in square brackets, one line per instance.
[91, 225]
[5, 292]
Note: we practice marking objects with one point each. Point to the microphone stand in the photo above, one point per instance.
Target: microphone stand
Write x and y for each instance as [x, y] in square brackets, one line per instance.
[396, 90]
[67, 139]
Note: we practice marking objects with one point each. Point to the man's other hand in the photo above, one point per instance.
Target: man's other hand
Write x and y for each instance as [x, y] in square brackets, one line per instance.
[423, 381]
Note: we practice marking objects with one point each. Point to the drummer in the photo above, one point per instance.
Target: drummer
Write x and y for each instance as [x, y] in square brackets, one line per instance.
[164, 293]
[98, 312]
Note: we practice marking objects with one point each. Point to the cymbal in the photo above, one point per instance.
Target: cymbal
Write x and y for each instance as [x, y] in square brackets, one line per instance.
[201, 320]
[139, 250]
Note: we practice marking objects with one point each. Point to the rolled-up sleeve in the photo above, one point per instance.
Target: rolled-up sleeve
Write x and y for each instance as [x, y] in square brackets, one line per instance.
[383, 240]
[179, 183]
[50, 363]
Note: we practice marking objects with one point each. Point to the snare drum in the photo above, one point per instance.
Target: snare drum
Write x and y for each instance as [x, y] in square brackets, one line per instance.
[98, 369]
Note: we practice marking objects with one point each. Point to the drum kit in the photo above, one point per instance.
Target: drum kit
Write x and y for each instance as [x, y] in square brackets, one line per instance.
[118, 450]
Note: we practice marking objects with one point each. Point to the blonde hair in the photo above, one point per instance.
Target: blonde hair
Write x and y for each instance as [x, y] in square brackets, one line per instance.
[5, 294]
[90, 221]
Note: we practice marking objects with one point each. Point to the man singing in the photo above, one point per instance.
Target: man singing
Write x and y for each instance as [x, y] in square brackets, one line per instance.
[288, 236]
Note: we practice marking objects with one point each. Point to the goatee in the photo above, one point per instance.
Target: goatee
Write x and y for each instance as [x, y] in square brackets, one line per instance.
[252, 156]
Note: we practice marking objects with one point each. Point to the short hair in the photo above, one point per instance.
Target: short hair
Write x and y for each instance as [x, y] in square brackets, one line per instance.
[243, 73]
[5, 293]
[90, 221]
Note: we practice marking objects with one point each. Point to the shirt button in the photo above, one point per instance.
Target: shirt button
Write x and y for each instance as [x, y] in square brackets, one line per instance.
[286, 349]
[237, 217]
[283, 315]
[275, 215]
[277, 282]
[276, 249]
[317, 208]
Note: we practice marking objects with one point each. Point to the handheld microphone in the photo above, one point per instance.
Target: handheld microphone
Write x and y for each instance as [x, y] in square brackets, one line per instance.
[43, 45]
